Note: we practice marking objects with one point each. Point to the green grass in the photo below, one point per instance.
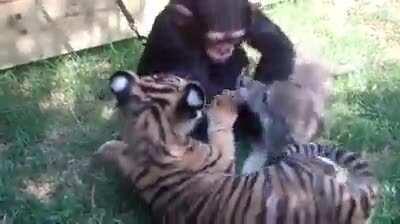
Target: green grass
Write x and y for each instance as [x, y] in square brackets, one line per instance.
[55, 113]
[53, 116]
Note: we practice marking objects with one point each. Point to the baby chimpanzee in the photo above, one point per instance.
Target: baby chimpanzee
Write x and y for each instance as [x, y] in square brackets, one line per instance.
[201, 40]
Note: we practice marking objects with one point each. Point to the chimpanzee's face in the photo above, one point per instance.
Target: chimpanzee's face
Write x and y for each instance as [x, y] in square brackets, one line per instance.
[224, 23]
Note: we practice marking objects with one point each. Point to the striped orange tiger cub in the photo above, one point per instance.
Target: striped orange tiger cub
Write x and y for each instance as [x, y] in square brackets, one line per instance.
[186, 181]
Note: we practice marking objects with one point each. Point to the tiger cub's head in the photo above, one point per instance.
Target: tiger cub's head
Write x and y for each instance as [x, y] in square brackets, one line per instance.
[157, 113]
[157, 102]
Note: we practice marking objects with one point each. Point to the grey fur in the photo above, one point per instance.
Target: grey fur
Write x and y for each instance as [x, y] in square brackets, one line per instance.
[290, 111]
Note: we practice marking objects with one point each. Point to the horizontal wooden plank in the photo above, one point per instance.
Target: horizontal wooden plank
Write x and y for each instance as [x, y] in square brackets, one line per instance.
[38, 29]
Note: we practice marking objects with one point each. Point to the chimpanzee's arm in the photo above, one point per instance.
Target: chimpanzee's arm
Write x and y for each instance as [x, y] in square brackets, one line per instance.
[168, 49]
[277, 51]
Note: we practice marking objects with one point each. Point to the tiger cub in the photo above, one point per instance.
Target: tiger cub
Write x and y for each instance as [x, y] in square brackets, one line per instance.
[186, 181]
[288, 111]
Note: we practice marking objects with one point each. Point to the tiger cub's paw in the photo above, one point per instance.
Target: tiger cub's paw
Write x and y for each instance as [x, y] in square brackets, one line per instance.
[223, 110]
[109, 151]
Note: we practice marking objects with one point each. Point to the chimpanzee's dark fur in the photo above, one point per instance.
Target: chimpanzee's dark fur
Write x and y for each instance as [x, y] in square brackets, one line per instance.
[180, 50]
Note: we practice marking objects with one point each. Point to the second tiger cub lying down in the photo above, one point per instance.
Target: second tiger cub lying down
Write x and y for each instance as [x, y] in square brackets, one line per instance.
[187, 181]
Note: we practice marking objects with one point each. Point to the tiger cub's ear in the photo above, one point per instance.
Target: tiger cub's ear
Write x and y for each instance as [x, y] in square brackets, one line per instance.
[121, 83]
[192, 101]
[194, 96]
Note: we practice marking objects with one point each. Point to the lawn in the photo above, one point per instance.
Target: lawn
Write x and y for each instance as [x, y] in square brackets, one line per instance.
[55, 113]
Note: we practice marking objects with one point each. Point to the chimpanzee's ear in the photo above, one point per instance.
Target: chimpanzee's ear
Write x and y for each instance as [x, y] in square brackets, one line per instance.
[185, 5]
[182, 15]
[253, 6]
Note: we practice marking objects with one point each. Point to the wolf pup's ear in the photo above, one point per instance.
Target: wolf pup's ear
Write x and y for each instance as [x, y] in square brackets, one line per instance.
[121, 83]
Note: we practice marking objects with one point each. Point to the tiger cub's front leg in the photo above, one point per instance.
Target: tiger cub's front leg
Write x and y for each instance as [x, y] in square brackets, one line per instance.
[222, 114]
[112, 153]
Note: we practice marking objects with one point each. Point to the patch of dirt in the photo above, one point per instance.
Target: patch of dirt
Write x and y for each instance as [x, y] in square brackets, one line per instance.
[4, 146]
[56, 136]
[57, 99]
[393, 53]
[41, 190]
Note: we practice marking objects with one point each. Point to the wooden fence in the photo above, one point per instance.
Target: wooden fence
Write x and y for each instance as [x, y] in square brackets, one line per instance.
[37, 29]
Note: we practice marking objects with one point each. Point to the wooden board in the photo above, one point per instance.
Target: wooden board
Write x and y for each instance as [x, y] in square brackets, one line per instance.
[144, 12]
[38, 29]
